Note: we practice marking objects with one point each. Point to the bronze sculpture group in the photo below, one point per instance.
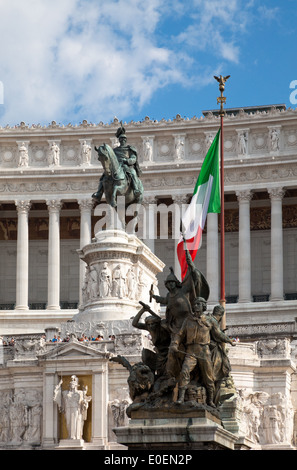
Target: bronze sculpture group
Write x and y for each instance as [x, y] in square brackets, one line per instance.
[188, 365]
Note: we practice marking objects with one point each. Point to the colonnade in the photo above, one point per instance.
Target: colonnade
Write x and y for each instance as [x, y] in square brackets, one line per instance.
[22, 265]
[244, 198]
[244, 248]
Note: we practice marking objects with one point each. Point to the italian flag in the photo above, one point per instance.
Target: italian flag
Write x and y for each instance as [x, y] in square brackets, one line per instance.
[206, 198]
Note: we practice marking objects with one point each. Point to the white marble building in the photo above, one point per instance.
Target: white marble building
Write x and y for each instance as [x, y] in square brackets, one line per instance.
[46, 215]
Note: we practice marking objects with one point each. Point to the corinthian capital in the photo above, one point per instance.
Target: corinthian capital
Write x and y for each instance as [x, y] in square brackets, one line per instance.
[244, 196]
[54, 205]
[276, 193]
[23, 206]
[180, 198]
[147, 200]
[86, 204]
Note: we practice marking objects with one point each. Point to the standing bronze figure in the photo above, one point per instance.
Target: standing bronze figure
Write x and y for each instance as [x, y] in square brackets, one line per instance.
[196, 333]
[189, 363]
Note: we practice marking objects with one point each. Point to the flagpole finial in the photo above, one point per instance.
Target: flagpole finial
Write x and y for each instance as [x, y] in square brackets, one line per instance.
[221, 99]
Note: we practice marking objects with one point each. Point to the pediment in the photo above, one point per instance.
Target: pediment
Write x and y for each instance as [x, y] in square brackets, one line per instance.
[75, 349]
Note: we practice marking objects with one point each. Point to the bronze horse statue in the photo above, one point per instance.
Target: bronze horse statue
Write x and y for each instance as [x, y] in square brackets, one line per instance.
[114, 182]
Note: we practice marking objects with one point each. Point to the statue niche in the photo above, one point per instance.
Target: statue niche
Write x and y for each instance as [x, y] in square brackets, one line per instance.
[73, 403]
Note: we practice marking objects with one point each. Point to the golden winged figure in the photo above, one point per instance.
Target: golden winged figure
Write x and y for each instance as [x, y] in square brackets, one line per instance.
[222, 80]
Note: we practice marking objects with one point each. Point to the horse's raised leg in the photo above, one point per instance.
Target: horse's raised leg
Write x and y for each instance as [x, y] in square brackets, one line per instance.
[113, 199]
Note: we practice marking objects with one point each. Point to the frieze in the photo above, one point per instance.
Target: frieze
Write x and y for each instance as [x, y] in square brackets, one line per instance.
[109, 255]
[170, 181]
[262, 329]
[52, 187]
[258, 174]
[240, 175]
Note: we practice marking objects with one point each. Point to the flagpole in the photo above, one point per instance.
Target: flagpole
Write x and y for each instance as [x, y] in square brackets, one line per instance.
[222, 99]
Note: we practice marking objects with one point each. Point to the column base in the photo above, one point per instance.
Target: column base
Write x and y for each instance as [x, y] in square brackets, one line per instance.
[101, 444]
[48, 443]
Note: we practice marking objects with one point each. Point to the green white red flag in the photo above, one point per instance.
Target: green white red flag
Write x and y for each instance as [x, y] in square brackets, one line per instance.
[206, 198]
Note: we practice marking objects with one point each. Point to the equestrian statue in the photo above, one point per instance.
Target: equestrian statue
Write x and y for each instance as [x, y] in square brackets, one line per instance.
[121, 172]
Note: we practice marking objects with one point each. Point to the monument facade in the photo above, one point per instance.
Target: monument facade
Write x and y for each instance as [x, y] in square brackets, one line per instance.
[52, 273]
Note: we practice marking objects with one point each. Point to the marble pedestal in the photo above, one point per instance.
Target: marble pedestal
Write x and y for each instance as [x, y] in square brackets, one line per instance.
[71, 444]
[120, 270]
[200, 431]
[278, 447]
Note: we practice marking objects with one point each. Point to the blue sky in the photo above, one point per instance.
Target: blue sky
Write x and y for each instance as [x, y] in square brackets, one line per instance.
[72, 60]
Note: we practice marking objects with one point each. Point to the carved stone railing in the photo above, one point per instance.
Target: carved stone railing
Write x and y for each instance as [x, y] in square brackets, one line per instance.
[29, 347]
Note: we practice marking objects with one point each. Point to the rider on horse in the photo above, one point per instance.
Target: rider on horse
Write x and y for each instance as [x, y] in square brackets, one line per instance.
[127, 158]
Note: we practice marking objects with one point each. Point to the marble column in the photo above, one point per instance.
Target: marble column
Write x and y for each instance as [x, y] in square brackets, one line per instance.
[54, 207]
[212, 257]
[99, 405]
[244, 255]
[149, 236]
[277, 271]
[22, 274]
[50, 411]
[86, 206]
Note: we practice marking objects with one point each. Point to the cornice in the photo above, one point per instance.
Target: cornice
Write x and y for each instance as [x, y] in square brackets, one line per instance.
[208, 120]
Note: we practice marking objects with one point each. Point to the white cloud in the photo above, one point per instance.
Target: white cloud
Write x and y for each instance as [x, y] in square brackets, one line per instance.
[216, 27]
[94, 59]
